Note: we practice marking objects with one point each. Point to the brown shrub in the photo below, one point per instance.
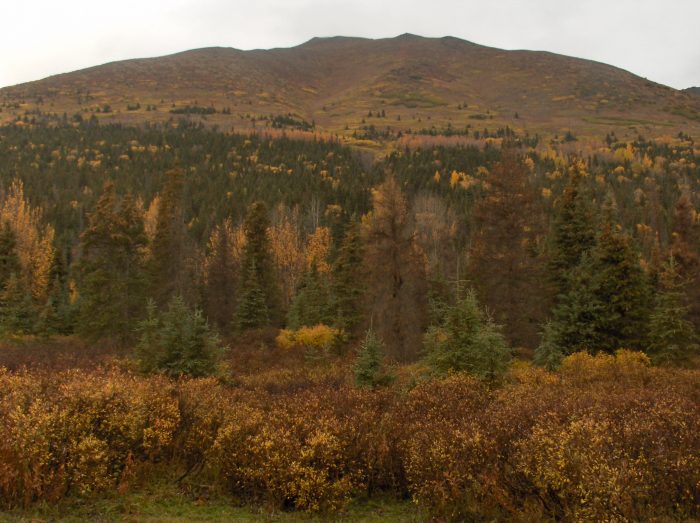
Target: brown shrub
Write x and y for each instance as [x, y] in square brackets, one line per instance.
[75, 432]
[606, 438]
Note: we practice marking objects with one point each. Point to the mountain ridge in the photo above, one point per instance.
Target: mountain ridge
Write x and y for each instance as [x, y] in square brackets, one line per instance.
[336, 82]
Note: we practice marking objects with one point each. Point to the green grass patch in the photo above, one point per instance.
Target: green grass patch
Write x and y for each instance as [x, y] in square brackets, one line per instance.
[162, 502]
[618, 120]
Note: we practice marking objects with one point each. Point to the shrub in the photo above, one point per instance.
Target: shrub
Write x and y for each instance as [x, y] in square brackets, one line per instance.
[301, 454]
[316, 341]
[603, 438]
[69, 432]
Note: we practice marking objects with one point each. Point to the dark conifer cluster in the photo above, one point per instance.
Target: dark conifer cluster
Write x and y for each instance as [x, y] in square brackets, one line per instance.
[460, 256]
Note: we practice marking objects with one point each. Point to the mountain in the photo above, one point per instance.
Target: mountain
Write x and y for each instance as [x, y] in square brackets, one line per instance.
[415, 82]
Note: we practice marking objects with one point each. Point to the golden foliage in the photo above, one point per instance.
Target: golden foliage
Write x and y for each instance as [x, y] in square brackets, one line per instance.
[287, 253]
[317, 337]
[606, 438]
[34, 240]
[318, 248]
[150, 218]
[71, 432]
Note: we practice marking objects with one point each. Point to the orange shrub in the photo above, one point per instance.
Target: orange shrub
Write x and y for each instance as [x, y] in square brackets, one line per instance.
[605, 438]
[316, 341]
[72, 432]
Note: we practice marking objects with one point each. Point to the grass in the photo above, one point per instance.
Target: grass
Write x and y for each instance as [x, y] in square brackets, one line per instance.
[616, 120]
[162, 502]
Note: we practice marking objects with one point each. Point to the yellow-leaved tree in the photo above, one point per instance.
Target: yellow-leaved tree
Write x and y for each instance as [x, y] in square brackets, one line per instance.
[318, 247]
[287, 250]
[34, 239]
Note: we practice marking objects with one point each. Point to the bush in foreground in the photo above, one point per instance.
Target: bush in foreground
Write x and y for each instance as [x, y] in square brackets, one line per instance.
[607, 437]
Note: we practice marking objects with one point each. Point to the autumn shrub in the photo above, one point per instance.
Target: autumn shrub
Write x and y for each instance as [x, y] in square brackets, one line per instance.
[626, 457]
[279, 381]
[606, 437]
[590, 443]
[447, 451]
[300, 452]
[75, 433]
[317, 342]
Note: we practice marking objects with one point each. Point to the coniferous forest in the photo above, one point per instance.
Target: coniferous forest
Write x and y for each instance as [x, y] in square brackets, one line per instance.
[500, 330]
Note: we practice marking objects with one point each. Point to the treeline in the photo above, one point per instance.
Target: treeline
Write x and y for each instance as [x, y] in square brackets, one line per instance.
[64, 168]
[565, 252]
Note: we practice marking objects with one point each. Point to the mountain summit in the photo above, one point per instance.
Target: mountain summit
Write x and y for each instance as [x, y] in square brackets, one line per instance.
[342, 84]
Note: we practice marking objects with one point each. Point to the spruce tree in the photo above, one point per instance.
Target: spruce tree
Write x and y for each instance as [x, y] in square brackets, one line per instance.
[221, 275]
[672, 336]
[57, 316]
[178, 342]
[17, 313]
[260, 285]
[252, 310]
[369, 366]
[575, 317]
[312, 303]
[685, 249]
[9, 261]
[573, 232]
[347, 280]
[467, 340]
[111, 267]
[606, 305]
[621, 289]
[549, 353]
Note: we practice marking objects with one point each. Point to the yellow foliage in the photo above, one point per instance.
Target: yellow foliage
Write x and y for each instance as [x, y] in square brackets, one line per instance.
[316, 337]
[150, 216]
[530, 164]
[287, 253]
[482, 171]
[606, 438]
[34, 241]
[318, 248]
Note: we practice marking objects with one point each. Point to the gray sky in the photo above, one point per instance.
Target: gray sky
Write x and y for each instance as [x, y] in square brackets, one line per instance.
[656, 39]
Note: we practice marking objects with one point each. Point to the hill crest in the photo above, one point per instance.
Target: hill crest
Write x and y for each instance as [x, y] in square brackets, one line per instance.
[344, 85]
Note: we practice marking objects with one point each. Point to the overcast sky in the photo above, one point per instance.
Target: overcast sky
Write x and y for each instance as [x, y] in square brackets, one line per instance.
[659, 40]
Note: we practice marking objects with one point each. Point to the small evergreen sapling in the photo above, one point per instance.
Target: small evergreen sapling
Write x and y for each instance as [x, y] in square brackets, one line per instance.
[369, 366]
[178, 342]
[549, 353]
[467, 340]
[17, 312]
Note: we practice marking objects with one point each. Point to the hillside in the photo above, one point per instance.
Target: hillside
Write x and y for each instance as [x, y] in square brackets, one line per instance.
[416, 83]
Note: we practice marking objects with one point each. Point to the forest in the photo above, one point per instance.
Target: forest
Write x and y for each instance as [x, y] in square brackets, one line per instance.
[505, 328]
